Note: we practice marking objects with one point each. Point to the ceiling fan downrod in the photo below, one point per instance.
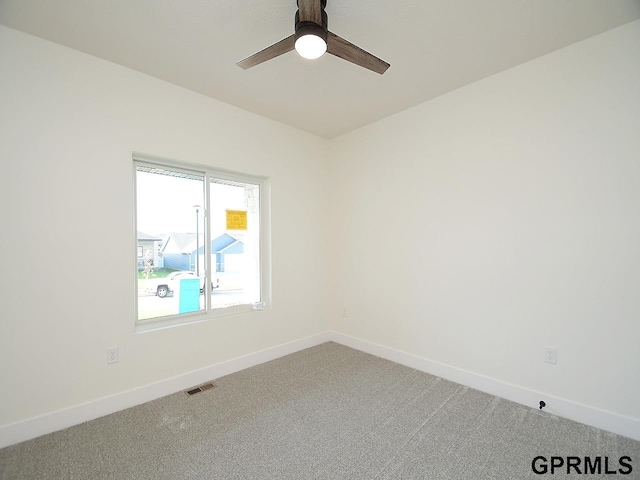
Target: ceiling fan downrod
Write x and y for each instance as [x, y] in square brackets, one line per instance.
[307, 25]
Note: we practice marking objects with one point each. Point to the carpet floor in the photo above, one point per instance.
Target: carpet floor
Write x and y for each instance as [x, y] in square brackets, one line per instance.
[328, 412]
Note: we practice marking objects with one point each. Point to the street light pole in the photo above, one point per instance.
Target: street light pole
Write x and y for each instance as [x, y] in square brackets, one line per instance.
[197, 207]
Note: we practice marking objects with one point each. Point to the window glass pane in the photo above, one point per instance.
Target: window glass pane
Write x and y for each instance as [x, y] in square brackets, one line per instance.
[170, 232]
[234, 217]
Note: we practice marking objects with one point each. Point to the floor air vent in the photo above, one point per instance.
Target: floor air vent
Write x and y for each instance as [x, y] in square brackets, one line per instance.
[200, 388]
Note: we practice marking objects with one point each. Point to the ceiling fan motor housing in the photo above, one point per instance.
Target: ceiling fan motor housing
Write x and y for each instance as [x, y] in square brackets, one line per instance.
[311, 28]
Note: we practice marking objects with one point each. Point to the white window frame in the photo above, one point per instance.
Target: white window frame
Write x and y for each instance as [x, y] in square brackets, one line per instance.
[208, 313]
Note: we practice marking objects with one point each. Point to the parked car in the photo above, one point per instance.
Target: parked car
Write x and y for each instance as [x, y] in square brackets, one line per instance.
[167, 285]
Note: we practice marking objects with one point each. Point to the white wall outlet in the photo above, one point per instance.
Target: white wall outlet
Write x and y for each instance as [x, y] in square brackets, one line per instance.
[112, 355]
[344, 312]
[551, 355]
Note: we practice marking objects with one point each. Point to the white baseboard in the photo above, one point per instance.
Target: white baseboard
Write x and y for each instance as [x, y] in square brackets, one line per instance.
[34, 427]
[611, 422]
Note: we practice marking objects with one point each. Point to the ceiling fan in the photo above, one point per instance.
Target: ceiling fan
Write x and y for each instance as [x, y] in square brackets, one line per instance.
[312, 39]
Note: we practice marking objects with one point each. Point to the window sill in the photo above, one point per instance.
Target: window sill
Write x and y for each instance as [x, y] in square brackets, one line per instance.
[163, 323]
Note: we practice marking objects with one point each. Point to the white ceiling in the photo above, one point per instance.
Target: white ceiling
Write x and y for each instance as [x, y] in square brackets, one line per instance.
[433, 46]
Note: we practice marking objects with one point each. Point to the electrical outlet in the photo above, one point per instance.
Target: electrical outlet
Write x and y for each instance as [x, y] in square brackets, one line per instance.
[344, 312]
[551, 355]
[112, 355]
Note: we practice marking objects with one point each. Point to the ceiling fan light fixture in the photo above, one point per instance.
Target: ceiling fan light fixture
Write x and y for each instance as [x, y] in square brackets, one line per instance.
[311, 46]
[311, 40]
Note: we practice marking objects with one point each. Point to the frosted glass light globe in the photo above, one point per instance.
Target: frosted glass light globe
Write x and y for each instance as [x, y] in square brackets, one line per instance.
[310, 46]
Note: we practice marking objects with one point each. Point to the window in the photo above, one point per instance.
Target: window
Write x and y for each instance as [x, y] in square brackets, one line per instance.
[202, 243]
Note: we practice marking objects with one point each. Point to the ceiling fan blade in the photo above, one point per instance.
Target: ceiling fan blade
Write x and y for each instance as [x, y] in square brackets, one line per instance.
[310, 11]
[275, 50]
[339, 47]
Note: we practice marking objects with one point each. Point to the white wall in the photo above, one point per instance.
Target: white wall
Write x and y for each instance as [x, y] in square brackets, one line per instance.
[69, 124]
[508, 213]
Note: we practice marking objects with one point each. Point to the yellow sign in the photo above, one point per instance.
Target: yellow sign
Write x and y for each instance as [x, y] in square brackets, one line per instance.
[236, 219]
